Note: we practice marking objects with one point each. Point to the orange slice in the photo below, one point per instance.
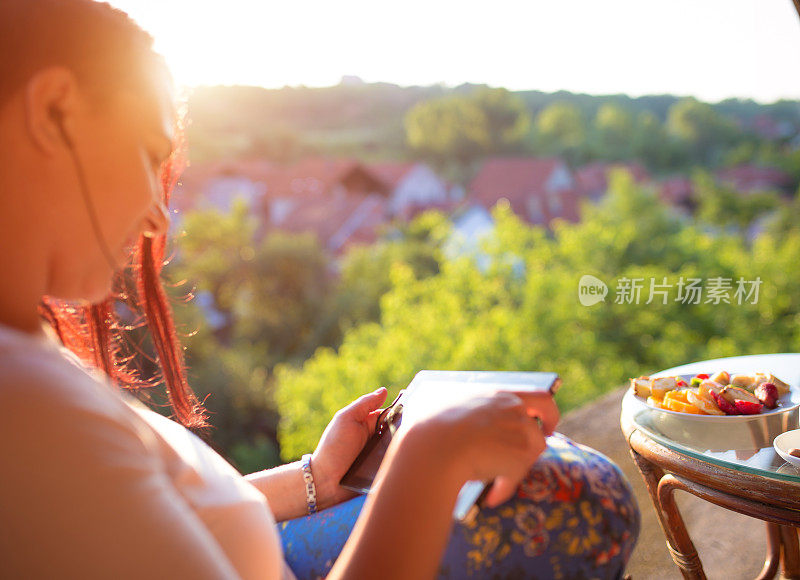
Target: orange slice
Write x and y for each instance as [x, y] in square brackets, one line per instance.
[679, 396]
[674, 405]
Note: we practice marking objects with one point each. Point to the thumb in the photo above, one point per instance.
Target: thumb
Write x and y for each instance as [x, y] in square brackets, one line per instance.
[366, 404]
[502, 490]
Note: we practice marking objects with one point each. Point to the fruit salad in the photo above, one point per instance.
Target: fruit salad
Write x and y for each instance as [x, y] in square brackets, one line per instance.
[717, 394]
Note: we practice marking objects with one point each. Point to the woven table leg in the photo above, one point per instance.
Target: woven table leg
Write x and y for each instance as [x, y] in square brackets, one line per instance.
[773, 559]
[791, 554]
[682, 550]
[679, 543]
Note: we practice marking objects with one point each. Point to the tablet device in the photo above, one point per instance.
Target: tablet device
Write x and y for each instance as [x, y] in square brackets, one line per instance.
[428, 390]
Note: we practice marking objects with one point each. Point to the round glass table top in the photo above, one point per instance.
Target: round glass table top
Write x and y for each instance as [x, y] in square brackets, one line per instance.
[743, 443]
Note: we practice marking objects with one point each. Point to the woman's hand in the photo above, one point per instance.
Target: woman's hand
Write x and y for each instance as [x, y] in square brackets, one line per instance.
[494, 436]
[410, 510]
[340, 444]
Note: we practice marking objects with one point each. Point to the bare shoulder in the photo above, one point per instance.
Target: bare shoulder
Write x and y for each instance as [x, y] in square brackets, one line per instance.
[43, 393]
[35, 374]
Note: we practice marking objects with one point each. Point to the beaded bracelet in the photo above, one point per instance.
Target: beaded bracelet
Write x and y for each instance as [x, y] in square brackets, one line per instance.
[311, 489]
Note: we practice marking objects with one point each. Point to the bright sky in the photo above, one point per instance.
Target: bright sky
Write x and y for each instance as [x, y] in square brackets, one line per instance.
[712, 49]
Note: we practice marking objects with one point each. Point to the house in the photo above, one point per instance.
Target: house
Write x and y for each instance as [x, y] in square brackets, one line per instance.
[415, 187]
[592, 179]
[473, 227]
[470, 228]
[337, 222]
[748, 178]
[216, 185]
[537, 189]
[338, 200]
[320, 176]
[769, 128]
[678, 191]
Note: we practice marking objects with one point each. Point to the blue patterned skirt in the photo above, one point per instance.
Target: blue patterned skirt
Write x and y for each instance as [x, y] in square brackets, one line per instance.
[574, 516]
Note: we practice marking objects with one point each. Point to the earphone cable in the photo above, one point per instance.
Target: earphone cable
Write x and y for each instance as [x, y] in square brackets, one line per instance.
[87, 199]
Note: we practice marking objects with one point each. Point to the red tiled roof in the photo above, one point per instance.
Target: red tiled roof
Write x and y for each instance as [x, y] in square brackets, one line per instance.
[515, 179]
[308, 176]
[311, 176]
[194, 180]
[337, 199]
[767, 127]
[391, 173]
[570, 201]
[363, 227]
[753, 177]
[676, 190]
[337, 221]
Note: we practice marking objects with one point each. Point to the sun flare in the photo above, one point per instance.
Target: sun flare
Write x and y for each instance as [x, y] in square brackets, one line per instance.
[713, 49]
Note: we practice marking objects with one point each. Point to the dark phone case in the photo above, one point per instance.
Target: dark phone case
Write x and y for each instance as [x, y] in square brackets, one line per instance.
[362, 472]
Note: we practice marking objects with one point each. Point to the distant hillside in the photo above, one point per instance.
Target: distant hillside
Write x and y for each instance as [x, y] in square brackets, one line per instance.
[344, 118]
[367, 119]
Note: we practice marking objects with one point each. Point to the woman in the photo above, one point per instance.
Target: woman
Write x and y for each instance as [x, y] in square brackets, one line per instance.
[94, 485]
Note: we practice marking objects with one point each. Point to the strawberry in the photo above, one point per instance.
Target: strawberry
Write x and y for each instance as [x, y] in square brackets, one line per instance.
[702, 376]
[748, 408]
[767, 393]
[724, 405]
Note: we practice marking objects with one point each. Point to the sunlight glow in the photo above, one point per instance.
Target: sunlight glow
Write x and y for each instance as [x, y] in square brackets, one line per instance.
[712, 49]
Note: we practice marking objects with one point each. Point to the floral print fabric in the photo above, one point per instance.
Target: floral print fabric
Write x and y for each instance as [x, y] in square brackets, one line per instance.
[574, 516]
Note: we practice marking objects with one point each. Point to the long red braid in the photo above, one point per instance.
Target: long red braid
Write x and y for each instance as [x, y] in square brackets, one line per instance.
[97, 335]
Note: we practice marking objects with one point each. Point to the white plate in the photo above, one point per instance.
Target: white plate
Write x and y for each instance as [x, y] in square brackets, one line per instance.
[786, 441]
[786, 403]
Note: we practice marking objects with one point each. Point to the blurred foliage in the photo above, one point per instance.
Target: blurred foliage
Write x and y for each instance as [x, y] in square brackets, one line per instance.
[613, 127]
[462, 128]
[374, 122]
[722, 206]
[497, 318]
[269, 294]
[561, 130]
[366, 271]
[704, 131]
[653, 147]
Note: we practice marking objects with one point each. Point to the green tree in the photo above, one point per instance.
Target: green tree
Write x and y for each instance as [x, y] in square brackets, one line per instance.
[507, 120]
[461, 128]
[365, 274]
[613, 132]
[784, 158]
[272, 292]
[725, 207]
[560, 130]
[653, 146]
[705, 132]
[785, 221]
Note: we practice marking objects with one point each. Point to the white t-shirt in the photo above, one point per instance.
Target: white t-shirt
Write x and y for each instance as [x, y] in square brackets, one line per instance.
[95, 485]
